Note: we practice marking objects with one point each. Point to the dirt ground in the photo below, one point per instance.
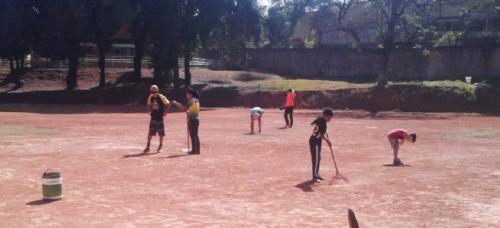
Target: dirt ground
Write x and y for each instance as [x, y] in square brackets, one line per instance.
[451, 179]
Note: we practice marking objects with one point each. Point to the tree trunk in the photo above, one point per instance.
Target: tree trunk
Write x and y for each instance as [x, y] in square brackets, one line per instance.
[175, 64]
[384, 68]
[320, 39]
[138, 55]
[72, 73]
[159, 69]
[389, 43]
[11, 64]
[22, 62]
[187, 71]
[102, 66]
[167, 67]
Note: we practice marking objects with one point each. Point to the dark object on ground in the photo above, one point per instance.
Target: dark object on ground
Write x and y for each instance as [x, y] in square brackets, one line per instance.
[353, 222]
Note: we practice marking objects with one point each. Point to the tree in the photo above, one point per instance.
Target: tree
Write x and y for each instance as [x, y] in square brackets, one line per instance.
[239, 27]
[139, 30]
[62, 30]
[178, 28]
[16, 26]
[472, 25]
[162, 18]
[189, 33]
[106, 18]
[226, 25]
[401, 24]
[281, 19]
[331, 16]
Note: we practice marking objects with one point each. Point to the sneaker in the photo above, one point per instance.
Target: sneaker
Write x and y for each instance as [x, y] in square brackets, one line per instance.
[317, 179]
[159, 148]
[320, 178]
[146, 150]
[397, 161]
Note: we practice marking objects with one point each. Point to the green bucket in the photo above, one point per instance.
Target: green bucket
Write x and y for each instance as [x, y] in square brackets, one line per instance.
[52, 185]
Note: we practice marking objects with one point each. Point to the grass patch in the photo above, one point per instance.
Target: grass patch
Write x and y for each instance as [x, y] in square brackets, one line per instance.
[474, 133]
[275, 82]
[441, 84]
[24, 130]
[455, 86]
[250, 76]
[451, 84]
[307, 84]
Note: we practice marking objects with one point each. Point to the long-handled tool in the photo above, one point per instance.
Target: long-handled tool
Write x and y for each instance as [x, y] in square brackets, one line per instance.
[337, 173]
[187, 150]
[353, 222]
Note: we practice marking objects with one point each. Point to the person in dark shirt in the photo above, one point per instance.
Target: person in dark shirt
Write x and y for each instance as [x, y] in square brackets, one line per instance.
[318, 135]
[157, 109]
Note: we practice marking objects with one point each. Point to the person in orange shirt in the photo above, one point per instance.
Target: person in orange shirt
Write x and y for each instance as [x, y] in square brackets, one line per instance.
[289, 106]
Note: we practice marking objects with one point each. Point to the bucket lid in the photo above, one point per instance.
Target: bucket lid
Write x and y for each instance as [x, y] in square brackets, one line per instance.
[51, 174]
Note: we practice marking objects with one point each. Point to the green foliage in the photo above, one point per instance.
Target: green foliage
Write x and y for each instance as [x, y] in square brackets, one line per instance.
[63, 28]
[281, 19]
[58, 29]
[239, 27]
[16, 26]
[106, 17]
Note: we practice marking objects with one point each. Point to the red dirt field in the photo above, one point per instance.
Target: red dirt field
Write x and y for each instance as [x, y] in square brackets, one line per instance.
[240, 180]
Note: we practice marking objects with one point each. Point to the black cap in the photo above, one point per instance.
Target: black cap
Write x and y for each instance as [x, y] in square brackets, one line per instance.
[328, 112]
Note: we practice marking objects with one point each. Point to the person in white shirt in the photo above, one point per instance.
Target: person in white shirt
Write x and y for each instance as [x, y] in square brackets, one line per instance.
[256, 114]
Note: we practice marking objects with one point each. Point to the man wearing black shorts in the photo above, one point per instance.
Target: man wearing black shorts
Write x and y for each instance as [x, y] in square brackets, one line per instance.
[158, 108]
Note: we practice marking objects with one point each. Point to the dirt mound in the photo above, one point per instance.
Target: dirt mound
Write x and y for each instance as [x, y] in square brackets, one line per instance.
[411, 98]
[404, 97]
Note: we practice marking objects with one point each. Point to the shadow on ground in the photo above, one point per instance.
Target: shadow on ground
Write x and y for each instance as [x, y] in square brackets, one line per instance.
[40, 202]
[306, 186]
[142, 154]
[392, 165]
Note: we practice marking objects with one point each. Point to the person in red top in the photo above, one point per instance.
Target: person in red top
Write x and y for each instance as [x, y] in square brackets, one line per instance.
[396, 138]
[289, 106]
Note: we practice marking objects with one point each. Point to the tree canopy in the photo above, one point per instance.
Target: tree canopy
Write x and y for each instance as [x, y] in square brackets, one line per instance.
[172, 29]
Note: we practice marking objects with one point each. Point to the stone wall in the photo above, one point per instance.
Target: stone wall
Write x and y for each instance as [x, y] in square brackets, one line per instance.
[353, 64]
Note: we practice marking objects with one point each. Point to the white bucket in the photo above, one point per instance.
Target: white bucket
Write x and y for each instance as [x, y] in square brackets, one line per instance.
[52, 185]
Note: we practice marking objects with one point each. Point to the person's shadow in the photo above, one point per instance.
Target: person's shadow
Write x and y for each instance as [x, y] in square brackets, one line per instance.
[40, 202]
[306, 186]
[392, 165]
[176, 156]
[142, 154]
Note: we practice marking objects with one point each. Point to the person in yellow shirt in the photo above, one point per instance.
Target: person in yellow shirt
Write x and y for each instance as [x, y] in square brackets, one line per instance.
[157, 108]
[192, 109]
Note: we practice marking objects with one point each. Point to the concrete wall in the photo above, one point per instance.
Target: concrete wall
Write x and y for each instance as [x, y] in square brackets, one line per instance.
[442, 63]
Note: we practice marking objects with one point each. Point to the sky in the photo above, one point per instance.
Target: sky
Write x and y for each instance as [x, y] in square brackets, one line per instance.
[264, 2]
